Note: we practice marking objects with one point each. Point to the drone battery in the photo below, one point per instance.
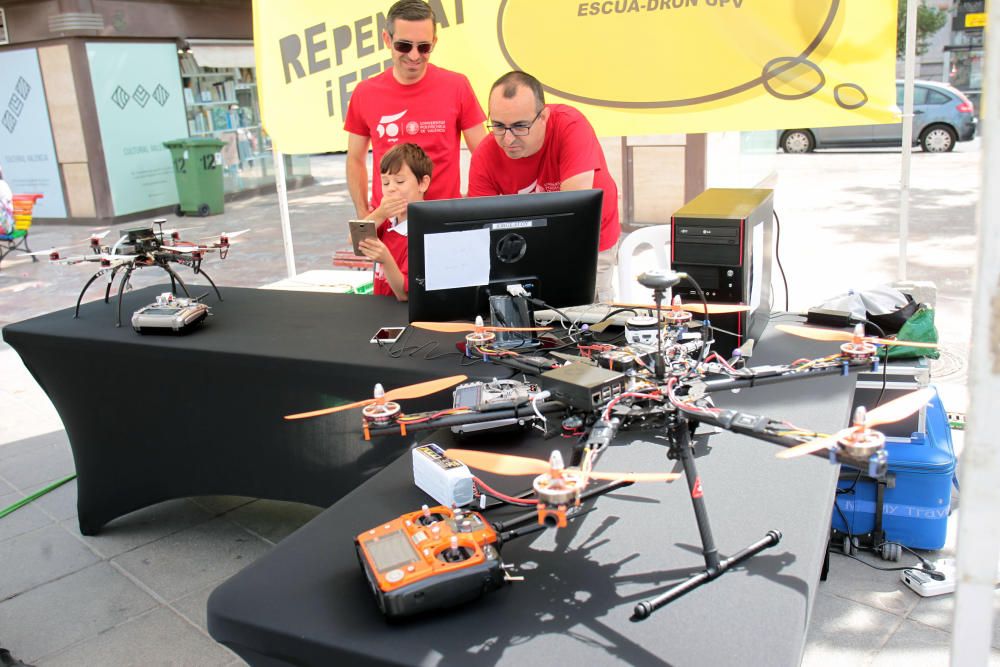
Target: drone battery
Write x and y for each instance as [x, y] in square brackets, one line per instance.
[169, 318]
[582, 386]
[445, 480]
[430, 560]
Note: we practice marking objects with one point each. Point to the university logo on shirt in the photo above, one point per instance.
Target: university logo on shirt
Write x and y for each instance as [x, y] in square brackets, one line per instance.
[387, 125]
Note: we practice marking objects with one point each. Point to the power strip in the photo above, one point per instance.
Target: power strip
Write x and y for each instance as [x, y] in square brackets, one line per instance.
[924, 586]
[445, 480]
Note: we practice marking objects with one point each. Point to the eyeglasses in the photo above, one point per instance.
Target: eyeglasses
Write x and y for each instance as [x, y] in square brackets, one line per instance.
[517, 129]
[403, 46]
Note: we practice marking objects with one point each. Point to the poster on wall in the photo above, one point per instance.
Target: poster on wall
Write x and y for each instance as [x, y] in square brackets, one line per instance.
[137, 91]
[4, 37]
[27, 154]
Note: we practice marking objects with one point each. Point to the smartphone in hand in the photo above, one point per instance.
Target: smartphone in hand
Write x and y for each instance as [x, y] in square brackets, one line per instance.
[361, 230]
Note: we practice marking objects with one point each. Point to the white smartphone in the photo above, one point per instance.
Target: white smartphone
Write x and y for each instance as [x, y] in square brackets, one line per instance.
[387, 335]
[361, 230]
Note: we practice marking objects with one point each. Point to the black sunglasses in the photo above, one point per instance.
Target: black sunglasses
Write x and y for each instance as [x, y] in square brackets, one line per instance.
[403, 46]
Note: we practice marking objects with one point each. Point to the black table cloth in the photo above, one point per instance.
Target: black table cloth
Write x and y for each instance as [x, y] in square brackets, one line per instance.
[307, 601]
[156, 417]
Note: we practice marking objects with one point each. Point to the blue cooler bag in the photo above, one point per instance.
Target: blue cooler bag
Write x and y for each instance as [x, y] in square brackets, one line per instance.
[917, 502]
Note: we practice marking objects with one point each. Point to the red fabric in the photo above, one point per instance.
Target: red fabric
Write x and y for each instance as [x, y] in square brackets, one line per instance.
[434, 112]
[398, 247]
[570, 148]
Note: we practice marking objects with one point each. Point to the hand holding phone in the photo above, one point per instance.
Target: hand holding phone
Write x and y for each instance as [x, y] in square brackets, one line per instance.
[361, 230]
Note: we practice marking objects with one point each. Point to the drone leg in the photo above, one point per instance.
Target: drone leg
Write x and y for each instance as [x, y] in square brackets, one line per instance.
[76, 313]
[210, 282]
[680, 440]
[121, 293]
[173, 277]
[111, 281]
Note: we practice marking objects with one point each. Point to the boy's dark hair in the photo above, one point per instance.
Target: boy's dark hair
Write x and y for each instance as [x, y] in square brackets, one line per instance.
[409, 10]
[513, 80]
[412, 155]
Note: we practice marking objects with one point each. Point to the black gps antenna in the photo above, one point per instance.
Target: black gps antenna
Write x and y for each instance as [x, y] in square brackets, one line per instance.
[660, 280]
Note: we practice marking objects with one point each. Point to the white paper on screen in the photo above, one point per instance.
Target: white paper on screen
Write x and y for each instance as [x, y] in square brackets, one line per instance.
[457, 259]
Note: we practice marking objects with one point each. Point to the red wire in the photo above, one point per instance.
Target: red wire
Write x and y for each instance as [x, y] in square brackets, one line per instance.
[504, 497]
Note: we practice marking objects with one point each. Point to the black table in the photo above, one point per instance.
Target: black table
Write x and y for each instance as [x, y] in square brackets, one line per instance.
[307, 603]
[156, 417]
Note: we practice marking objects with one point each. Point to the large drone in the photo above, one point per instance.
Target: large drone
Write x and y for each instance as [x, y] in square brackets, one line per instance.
[144, 247]
[665, 386]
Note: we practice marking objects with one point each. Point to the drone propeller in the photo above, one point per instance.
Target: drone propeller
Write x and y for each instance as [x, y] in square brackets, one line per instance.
[887, 413]
[713, 308]
[506, 464]
[834, 336]
[399, 394]
[49, 252]
[186, 248]
[225, 238]
[465, 327]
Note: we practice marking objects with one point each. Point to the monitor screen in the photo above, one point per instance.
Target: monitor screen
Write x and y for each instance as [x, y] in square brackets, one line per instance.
[462, 251]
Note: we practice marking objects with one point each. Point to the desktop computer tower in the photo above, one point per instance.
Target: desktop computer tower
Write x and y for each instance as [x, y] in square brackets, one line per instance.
[723, 239]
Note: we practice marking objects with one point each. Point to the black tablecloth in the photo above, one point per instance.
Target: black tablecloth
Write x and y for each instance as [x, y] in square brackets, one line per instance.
[155, 417]
[307, 601]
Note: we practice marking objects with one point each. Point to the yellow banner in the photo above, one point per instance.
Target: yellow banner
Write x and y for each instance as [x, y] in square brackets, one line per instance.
[631, 66]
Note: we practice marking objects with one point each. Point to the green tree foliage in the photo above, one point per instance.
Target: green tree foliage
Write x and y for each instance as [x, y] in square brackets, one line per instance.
[929, 21]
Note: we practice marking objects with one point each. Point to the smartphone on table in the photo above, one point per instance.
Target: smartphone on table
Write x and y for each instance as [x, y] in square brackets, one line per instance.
[361, 230]
[387, 335]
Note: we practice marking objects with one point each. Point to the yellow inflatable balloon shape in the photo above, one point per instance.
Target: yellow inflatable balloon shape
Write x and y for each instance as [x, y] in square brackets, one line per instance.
[679, 53]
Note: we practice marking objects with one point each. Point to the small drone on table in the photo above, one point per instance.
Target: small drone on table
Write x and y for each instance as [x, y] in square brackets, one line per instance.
[143, 247]
[666, 386]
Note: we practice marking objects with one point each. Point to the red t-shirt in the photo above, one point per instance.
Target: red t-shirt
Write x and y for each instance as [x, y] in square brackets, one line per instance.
[431, 113]
[395, 239]
[570, 148]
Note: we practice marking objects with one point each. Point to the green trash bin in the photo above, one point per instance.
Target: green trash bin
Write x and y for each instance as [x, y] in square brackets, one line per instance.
[198, 169]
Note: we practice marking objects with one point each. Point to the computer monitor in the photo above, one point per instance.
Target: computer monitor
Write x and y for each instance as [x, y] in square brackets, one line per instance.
[462, 251]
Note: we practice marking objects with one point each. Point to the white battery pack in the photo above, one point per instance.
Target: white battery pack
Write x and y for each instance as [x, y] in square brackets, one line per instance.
[445, 480]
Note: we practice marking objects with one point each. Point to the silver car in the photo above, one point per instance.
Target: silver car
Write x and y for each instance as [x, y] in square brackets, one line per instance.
[942, 117]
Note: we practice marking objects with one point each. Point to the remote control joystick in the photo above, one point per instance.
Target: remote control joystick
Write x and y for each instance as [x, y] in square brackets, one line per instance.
[455, 553]
[428, 517]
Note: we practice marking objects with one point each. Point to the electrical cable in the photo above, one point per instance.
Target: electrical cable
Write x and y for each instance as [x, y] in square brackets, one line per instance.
[777, 254]
[933, 574]
[885, 362]
[36, 495]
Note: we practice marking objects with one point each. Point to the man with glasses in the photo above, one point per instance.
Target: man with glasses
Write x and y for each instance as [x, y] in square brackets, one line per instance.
[413, 102]
[545, 148]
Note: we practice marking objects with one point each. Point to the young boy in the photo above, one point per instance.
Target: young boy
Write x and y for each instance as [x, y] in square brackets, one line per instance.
[406, 175]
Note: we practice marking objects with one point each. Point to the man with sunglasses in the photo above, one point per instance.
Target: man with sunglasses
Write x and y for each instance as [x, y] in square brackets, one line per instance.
[413, 102]
[544, 148]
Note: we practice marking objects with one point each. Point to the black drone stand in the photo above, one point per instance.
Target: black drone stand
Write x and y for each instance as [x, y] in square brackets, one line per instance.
[679, 434]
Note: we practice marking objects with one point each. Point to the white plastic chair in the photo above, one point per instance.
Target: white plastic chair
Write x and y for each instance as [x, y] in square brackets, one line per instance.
[655, 236]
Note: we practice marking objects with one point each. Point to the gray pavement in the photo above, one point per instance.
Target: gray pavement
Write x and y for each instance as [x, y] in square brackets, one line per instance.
[136, 593]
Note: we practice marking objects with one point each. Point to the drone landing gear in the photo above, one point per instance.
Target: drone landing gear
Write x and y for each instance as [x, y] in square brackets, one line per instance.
[198, 270]
[680, 447]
